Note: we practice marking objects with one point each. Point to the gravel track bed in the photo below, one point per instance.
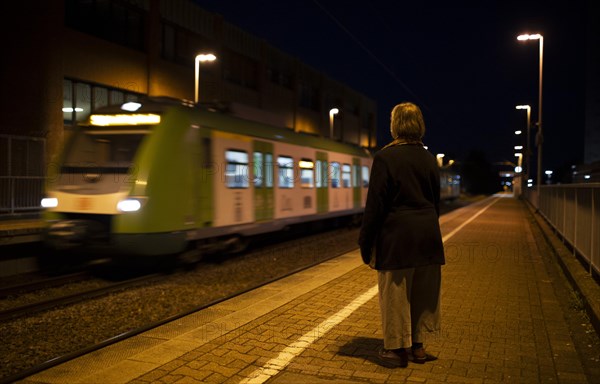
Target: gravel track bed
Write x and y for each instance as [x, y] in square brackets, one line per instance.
[30, 341]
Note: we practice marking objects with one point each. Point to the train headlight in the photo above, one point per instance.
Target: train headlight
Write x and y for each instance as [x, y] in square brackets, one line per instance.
[129, 205]
[49, 202]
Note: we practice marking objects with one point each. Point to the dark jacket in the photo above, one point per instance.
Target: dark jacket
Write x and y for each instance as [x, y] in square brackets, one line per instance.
[402, 209]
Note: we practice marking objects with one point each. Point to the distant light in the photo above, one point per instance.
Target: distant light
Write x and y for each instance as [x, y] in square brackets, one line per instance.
[49, 202]
[129, 205]
[518, 154]
[548, 173]
[518, 132]
[440, 155]
[587, 177]
[522, 106]
[518, 147]
[518, 169]
[131, 106]
[72, 110]
[333, 111]
[135, 119]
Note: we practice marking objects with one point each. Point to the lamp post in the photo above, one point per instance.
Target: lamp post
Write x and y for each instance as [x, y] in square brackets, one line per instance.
[539, 137]
[202, 57]
[332, 112]
[527, 148]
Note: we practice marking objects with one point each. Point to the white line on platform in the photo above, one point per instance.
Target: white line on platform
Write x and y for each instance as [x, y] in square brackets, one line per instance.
[277, 364]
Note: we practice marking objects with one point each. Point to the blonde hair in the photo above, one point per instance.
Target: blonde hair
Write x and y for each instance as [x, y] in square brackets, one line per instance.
[407, 125]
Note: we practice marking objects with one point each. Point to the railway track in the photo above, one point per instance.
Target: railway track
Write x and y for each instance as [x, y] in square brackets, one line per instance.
[42, 305]
[228, 293]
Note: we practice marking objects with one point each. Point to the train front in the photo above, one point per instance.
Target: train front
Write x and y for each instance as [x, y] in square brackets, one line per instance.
[96, 179]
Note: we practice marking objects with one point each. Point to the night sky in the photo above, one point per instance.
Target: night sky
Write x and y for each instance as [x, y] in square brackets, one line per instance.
[460, 61]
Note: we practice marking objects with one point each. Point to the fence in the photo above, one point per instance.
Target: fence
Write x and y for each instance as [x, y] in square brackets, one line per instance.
[574, 211]
[22, 173]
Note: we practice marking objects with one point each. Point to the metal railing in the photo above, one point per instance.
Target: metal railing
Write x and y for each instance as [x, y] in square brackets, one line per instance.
[574, 212]
[22, 173]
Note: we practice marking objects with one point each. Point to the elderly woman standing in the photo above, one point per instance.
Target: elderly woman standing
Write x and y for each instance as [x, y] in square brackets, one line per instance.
[400, 238]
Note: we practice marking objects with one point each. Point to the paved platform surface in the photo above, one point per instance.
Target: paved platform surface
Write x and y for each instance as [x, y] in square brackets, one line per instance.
[502, 323]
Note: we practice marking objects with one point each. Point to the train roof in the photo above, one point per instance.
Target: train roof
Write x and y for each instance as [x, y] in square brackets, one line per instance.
[219, 116]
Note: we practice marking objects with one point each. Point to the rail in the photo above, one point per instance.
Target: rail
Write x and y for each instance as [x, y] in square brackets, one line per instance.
[22, 174]
[573, 210]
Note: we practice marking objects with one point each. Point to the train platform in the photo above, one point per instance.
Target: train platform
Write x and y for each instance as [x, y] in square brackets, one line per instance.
[502, 322]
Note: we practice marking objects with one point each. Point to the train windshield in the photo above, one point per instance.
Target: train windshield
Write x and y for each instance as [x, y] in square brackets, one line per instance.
[100, 148]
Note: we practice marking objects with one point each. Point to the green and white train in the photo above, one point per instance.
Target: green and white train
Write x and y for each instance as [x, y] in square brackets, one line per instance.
[163, 177]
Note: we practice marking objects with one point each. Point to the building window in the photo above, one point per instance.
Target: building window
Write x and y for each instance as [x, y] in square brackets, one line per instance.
[113, 20]
[81, 98]
[309, 97]
[286, 171]
[236, 170]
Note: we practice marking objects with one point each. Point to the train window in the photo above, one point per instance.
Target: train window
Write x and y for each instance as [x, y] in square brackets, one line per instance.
[286, 172]
[365, 176]
[236, 171]
[346, 175]
[321, 171]
[258, 170]
[355, 175]
[335, 174]
[307, 173]
[269, 170]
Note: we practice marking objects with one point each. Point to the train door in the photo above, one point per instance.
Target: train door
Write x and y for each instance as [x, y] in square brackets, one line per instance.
[205, 180]
[356, 183]
[263, 180]
[322, 182]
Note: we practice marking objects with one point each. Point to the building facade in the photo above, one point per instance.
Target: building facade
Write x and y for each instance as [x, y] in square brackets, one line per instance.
[64, 58]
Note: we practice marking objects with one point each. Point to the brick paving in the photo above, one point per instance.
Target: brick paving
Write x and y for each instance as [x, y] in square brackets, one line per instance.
[501, 323]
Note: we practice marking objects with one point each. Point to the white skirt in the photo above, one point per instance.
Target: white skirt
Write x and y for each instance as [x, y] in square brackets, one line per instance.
[410, 304]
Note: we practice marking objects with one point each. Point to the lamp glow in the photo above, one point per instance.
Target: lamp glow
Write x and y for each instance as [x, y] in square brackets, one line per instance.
[134, 119]
[129, 205]
[131, 106]
[49, 202]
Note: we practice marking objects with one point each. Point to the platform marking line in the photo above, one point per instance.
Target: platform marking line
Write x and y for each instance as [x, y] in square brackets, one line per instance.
[285, 357]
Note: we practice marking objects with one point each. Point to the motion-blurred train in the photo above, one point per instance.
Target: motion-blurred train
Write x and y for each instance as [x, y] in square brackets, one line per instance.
[164, 177]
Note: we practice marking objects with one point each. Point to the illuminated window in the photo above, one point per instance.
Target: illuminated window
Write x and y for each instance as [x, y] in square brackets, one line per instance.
[335, 174]
[286, 172]
[355, 175]
[236, 171]
[346, 175]
[307, 173]
[321, 177]
[269, 170]
[365, 176]
[258, 170]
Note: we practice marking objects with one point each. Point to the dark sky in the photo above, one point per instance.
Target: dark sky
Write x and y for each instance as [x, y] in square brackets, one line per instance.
[460, 61]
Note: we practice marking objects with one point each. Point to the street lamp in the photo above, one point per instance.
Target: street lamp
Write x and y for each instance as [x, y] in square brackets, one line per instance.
[539, 137]
[332, 112]
[527, 150]
[202, 57]
[440, 159]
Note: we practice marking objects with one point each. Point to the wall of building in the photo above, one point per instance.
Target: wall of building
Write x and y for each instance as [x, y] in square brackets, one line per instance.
[51, 63]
